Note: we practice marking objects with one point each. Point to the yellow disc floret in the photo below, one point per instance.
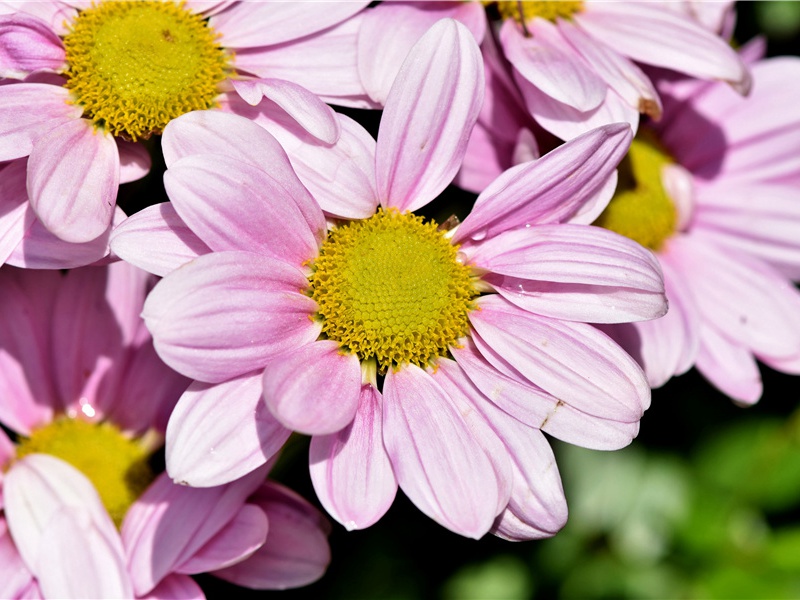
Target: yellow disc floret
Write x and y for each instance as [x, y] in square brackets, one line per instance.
[135, 65]
[390, 289]
[115, 464]
[641, 209]
[526, 10]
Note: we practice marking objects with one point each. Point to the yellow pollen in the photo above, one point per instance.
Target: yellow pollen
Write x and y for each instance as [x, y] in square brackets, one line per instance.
[526, 10]
[135, 65]
[641, 209]
[115, 464]
[390, 289]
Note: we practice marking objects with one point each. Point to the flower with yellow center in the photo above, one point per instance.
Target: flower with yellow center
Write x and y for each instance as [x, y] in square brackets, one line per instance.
[402, 346]
[118, 71]
[84, 514]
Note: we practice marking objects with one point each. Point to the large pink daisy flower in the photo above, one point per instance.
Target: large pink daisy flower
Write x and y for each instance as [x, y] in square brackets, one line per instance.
[575, 62]
[415, 356]
[87, 416]
[103, 75]
[713, 188]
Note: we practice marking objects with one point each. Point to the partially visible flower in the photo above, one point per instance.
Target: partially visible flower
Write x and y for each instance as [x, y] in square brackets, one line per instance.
[121, 70]
[573, 61]
[713, 189]
[88, 400]
[415, 356]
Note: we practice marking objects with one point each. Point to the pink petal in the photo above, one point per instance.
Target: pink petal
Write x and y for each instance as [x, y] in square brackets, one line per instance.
[552, 65]
[390, 30]
[573, 361]
[350, 470]
[169, 524]
[574, 272]
[73, 180]
[29, 399]
[16, 576]
[175, 587]
[134, 161]
[566, 122]
[88, 558]
[654, 35]
[314, 389]
[332, 75]
[340, 177]
[311, 113]
[729, 366]
[28, 112]
[157, 240]
[428, 117]
[16, 217]
[622, 75]
[536, 494]
[58, 15]
[232, 205]
[28, 44]
[296, 552]
[219, 433]
[746, 299]
[227, 313]
[251, 24]
[439, 465]
[517, 396]
[55, 514]
[242, 536]
[550, 189]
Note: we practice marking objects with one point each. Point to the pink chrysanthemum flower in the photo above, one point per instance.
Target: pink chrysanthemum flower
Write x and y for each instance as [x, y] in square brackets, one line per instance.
[87, 416]
[103, 75]
[713, 189]
[415, 356]
[574, 61]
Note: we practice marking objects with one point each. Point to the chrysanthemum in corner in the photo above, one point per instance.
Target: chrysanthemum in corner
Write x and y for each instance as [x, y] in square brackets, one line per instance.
[713, 189]
[98, 77]
[415, 356]
[88, 400]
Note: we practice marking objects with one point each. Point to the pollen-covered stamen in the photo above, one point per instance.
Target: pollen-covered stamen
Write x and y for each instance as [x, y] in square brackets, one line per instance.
[525, 11]
[135, 65]
[115, 464]
[641, 209]
[390, 288]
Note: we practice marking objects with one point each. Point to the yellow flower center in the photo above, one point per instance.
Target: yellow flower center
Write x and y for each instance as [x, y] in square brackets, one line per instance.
[526, 10]
[115, 464]
[390, 289]
[135, 65]
[641, 208]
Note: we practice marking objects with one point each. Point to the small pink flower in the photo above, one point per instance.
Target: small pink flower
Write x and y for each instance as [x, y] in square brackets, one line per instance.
[77, 113]
[259, 320]
[83, 389]
[730, 260]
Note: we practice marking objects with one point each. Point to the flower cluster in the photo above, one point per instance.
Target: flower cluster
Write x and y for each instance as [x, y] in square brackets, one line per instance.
[635, 215]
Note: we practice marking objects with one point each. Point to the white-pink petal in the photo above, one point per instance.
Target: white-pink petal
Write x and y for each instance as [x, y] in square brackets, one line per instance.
[729, 366]
[350, 470]
[550, 189]
[218, 433]
[438, 462]
[573, 361]
[28, 44]
[73, 179]
[431, 109]
[227, 313]
[175, 587]
[233, 205]
[27, 112]
[249, 24]
[314, 389]
[157, 240]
